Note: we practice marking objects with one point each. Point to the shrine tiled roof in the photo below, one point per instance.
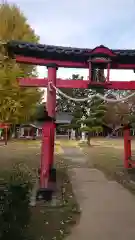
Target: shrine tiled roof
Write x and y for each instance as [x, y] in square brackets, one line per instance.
[59, 52]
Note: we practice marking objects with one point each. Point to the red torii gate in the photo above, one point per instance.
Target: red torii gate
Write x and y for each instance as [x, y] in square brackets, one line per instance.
[54, 57]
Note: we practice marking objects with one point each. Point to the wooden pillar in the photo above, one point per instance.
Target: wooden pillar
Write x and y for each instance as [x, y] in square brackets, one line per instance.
[48, 131]
[127, 147]
[51, 95]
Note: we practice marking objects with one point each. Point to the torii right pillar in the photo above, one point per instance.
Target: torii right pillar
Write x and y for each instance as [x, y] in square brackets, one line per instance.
[127, 147]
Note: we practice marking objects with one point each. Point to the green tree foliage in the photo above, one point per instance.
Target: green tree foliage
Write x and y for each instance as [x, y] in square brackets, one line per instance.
[97, 113]
[131, 110]
[78, 109]
[17, 104]
[93, 109]
[41, 114]
[119, 113]
[96, 109]
[95, 117]
[66, 105]
[14, 204]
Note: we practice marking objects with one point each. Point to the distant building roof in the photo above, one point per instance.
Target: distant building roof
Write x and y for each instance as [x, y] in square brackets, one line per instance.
[64, 117]
[61, 118]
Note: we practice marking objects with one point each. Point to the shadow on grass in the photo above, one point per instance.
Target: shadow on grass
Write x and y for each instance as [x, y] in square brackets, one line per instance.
[14, 205]
[54, 222]
[110, 161]
[45, 221]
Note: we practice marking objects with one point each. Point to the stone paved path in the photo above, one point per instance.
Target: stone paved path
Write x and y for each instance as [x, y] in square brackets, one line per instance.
[108, 210]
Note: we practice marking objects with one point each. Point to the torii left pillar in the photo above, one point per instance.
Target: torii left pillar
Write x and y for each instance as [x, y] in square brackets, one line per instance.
[47, 172]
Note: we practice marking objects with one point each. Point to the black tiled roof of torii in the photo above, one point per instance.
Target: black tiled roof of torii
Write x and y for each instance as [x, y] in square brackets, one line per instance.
[16, 47]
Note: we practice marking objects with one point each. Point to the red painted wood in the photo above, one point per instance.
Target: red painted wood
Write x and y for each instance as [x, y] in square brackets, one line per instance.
[108, 72]
[121, 85]
[67, 64]
[45, 154]
[127, 148]
[51, 107]
[33, 82]
[125, 66]
[44, 62]
[98, 60]
[51, 95]
[48, 132]
[103, 50]
[4, 125]
[132, 163]
[61, 83]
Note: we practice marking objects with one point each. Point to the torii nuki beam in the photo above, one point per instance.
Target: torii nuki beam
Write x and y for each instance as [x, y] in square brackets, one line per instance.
[66, 83]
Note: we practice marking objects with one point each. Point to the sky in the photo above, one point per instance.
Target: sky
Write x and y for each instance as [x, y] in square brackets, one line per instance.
[82, 23]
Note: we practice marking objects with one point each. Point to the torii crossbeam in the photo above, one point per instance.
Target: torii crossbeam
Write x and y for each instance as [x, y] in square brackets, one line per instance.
[54, 57]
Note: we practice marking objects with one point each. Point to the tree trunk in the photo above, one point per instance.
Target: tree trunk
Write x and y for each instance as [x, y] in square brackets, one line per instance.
[88, 139]
[77, 134]
[6, 135]
[14, 130]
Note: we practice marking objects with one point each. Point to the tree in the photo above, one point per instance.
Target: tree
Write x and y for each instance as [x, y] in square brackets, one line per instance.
[80, 109]
[16, 104]
[67, 105]
[96, 107]
[111, 114]
[41, 114]
[131, 104]
[117, 113]
[94, 120]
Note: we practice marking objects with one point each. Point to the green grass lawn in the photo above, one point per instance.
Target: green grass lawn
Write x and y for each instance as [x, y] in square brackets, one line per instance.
[47, 221]
[107, 155]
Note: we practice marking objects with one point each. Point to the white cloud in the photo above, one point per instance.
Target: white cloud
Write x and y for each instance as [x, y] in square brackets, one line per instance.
[84, 23]
[88, 24]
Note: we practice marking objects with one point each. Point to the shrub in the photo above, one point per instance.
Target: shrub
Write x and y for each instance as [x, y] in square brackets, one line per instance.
[14, 206]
